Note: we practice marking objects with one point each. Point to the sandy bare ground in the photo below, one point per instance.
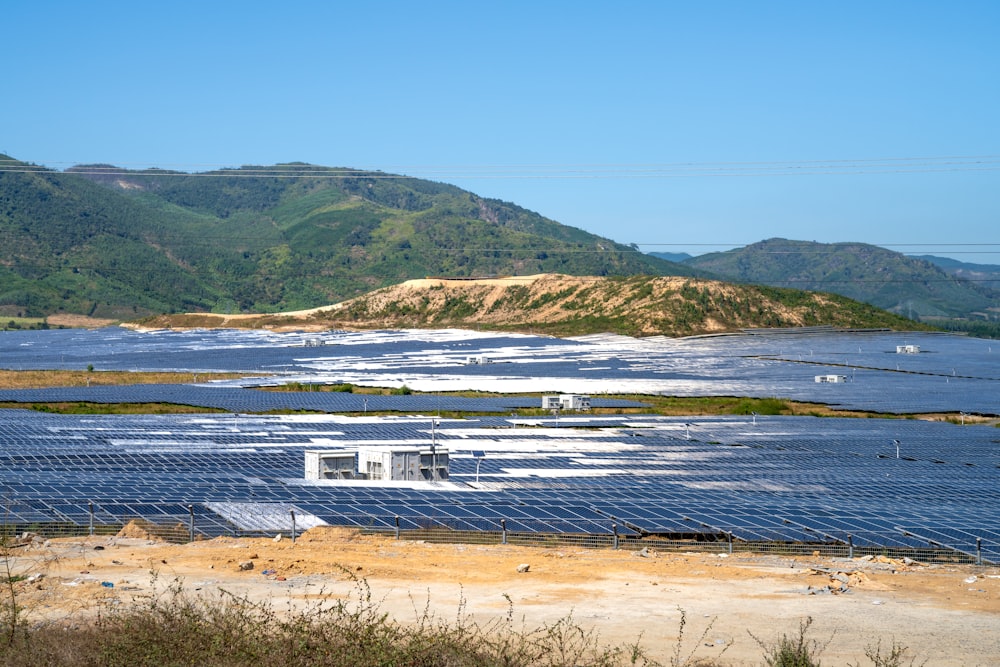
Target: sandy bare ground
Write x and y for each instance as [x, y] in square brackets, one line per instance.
[78, 321]
[236, 319]
[947, 614]
[560, 304]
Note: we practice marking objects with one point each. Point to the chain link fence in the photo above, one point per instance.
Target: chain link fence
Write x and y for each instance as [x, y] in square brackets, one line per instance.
[666, 544]
[200, 524]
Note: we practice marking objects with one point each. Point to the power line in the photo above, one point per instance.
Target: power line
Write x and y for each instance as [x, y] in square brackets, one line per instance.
[207, 240]
[596, 170]
[542, 171]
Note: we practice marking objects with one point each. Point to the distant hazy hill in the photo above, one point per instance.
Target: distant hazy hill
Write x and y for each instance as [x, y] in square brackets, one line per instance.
[909, 286]
[107, 242]
[672, 256]
[564, 305]
[985, 275]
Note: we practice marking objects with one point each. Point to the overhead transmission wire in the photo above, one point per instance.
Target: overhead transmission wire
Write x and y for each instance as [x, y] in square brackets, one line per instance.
[626, 170]
[542, 171]
[207, 240]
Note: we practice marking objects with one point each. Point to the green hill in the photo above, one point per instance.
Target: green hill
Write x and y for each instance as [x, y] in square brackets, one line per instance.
[909, 286]
[986, 275]
[102, 241]
[570, 305]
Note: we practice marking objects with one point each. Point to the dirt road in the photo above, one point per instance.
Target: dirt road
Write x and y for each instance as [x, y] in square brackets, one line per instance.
[946, 614]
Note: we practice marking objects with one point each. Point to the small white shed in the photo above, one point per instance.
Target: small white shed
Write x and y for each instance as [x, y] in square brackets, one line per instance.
[331, 464]
[403, 463]
[378, 463]
[478, 359]
[566, 402]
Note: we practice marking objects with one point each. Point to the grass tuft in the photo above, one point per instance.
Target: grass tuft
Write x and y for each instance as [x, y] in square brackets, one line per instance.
[795, 651]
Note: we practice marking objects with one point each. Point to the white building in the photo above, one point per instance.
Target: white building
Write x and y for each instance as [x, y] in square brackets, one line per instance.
[907, 349]
[566, 402]
[403, 463]
[477, 360]
[378, 463]
[332, 464]
[831, 378]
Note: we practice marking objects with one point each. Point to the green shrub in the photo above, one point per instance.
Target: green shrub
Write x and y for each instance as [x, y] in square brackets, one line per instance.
[792, 651]
[762, 406]
[893, 657]
[176, 628]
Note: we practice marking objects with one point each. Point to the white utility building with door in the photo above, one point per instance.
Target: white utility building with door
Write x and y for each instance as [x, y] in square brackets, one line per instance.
[379, 463]
[566, 402]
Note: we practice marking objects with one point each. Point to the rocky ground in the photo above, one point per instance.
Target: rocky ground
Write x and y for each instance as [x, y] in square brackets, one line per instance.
[946, 614]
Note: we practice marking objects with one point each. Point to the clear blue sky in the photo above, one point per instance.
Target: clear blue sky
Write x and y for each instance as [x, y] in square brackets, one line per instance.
[679, 126]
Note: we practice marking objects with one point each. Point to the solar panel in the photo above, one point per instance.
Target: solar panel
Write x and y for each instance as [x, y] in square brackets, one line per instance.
[951, 373]
[759, 478]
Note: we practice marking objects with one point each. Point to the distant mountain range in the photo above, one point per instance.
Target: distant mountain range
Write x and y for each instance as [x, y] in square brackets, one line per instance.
[925, 288]
[678, 257]
[985, 275]
[108, 242]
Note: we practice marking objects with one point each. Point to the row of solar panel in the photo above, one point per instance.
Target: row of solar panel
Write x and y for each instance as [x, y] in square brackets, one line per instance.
[245, 400]
[952, 373]
[794, 472]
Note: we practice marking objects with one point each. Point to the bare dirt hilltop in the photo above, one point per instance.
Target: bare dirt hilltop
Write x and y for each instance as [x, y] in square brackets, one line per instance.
[946, 614]
[567, 305]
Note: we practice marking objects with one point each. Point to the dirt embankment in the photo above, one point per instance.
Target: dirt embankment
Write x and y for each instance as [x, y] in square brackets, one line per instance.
[77, 321]
[560, 305]
[946, 614]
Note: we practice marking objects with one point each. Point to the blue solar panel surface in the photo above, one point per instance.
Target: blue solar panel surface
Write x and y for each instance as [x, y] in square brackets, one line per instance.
[950, 374]
[784, 478]
[235, 399]
[769, 478]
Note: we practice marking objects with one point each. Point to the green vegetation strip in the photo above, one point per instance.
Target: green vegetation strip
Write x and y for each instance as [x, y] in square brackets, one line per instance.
[653, 404]
[91, 377]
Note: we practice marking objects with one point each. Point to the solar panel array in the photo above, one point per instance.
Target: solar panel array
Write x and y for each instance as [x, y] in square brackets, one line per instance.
[950, 374]
[236, 399]
[765, 478]
[796, 479]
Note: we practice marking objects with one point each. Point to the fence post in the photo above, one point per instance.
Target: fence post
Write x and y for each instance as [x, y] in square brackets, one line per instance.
[503, 531]
[292, 512]
[850, 546]
[979, 551]
[397, 526]
[729, 539]
[91, 530]
[191, 523]
[614, 530]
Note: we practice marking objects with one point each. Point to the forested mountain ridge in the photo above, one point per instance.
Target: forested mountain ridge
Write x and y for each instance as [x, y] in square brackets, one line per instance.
[985, 275]
[912, 287]
[67, 244]
[108, 242]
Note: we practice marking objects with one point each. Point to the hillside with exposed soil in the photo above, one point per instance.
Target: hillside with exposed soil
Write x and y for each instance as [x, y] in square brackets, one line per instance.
[568, 305]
